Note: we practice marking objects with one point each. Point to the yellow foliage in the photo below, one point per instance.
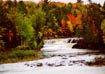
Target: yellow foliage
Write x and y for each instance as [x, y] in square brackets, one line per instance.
[102, 9]
[70, 26]
[78, 18]
[40, 34]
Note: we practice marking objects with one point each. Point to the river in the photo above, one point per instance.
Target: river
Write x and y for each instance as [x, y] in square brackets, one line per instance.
[73, 62]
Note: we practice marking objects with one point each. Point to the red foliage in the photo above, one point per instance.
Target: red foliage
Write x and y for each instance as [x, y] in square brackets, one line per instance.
[62, 29]
[10, 35]
[94, 29]
[72, 18]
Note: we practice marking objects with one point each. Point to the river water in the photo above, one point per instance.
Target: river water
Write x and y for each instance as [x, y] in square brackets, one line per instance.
[73, 61]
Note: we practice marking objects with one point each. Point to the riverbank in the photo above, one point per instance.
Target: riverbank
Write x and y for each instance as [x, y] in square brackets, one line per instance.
[13, 56]
[18, 55]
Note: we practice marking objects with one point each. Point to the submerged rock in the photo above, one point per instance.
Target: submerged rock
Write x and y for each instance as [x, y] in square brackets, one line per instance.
[39, 64]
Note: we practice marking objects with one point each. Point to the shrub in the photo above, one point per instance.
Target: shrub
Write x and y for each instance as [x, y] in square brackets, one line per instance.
[3, 57]
[30, 53]
[2, 44]
[19, 55]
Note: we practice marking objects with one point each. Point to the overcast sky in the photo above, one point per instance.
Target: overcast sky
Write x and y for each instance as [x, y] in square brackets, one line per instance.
[66, 1]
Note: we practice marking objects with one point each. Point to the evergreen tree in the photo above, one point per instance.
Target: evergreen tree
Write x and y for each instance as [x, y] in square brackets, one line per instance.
[90, 1]
[79, 1]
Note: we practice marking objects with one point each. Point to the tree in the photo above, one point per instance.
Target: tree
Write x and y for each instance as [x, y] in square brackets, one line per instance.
[103, 29]
[21, 6]
[79, 1]
[24, 28]
[103, 26]
[23, 25]
[90, 1]
[39, 21]
[2, 43]
[29, 24]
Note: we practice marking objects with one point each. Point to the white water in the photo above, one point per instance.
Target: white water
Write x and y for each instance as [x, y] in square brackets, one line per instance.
[65, 64]
[66, 61]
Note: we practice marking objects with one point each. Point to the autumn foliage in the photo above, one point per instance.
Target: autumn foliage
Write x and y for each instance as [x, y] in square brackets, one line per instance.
[27, 23]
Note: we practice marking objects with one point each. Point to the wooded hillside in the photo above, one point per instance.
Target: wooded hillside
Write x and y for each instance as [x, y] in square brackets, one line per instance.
[26, 24]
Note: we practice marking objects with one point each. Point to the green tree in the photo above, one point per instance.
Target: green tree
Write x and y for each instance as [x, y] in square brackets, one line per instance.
[24, 28]
[79, 1]
[21, 6]
[39, 21]
[23, 24]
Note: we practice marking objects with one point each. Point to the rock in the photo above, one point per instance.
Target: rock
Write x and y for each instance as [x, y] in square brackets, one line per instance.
[64, 58]
[39, 64]
[32, 65]
[59, 65]
[70, 64]
[50, 64]
[26, 64]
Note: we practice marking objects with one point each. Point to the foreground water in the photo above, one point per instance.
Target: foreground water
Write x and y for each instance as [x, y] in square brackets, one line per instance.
[74, 62]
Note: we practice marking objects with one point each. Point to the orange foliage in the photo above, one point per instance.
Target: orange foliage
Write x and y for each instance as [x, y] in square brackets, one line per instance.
[45, 33]
[50, 30]
[75, 20]
[78, 18]
[27, 8]
[63, 28]
[63, 22]
[72, 18]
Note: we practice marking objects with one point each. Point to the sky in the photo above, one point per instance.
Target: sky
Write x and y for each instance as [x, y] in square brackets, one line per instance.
[67, 1]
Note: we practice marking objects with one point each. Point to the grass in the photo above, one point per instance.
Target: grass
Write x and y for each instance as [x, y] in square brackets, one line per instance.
[18, 55]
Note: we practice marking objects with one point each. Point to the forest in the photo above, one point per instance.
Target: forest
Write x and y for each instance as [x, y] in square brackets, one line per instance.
[25, 24]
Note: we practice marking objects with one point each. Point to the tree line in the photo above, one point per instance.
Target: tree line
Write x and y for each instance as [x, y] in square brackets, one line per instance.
[27, 24]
